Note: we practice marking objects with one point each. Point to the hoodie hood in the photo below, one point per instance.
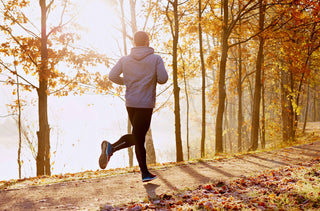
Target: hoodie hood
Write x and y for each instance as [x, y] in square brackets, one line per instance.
[141, 52]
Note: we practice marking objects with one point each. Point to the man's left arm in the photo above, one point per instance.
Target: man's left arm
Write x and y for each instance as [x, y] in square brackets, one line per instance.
[162, 75]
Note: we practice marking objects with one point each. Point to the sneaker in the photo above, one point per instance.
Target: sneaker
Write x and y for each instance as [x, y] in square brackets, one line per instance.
[106, 152]
[148, 177]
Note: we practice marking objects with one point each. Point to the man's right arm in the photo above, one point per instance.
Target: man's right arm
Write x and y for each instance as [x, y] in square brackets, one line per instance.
[115, 73]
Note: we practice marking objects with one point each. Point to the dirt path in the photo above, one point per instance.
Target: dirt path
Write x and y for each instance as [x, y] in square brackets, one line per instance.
[90, 194]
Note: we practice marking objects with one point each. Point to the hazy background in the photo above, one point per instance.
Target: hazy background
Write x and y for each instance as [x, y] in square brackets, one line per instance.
[79, 123]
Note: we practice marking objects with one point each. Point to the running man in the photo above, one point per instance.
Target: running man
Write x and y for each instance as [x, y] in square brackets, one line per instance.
[141, 71]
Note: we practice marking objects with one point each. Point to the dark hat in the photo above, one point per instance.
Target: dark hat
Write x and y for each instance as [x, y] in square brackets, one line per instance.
[140, 38]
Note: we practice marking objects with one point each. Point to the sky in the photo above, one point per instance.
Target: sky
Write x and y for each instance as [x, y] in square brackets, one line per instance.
[79, 123]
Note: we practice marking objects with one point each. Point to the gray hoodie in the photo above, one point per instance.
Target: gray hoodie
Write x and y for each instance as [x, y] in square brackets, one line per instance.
[141, 71]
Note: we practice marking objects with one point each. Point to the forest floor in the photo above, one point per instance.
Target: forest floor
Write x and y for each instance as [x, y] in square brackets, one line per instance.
[94, 190]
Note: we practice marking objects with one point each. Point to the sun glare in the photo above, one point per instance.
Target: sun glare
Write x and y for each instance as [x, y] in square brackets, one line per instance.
[99, 20]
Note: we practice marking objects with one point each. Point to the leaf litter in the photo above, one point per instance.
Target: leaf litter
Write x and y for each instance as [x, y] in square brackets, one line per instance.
[294, 187]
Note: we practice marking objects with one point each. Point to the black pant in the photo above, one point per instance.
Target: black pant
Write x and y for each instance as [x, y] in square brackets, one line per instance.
[140, 119]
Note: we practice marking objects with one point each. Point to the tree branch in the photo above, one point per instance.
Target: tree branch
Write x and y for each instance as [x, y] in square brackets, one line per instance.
[15, 21]
[4, 116]
[17, 41]
[169, 19]
[15, 73]
[59, 90]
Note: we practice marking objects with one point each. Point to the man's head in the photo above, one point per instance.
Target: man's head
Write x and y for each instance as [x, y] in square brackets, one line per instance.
[141, 38]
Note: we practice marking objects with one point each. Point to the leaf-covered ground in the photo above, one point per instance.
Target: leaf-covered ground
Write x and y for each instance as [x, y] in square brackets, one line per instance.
[294, 187]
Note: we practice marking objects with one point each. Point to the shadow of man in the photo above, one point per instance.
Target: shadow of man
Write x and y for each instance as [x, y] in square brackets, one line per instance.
[151, 190]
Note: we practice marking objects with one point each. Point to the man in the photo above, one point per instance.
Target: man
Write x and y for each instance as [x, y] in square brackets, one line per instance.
[141, 71]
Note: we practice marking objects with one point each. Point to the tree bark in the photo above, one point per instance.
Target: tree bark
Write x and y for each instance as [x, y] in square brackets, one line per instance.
[226, 126]
[263, 121]
[257, 89]
[133, 16]
[19, 126]
[240, 118]
[174, 25]
[284, 111]
[151, 154]
[130, 149]
[188, 105]
[43, 157]
[286, 106]
[176, 87]
[203, 93]
[307, 109]
[222, 78]
[291, 120]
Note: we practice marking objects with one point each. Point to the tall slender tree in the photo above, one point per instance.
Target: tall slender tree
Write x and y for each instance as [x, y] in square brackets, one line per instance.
[43, 157]
[257, 88]
[222, 76]
[174, 26]
[203, 77]
[19, 124]
[239, 88]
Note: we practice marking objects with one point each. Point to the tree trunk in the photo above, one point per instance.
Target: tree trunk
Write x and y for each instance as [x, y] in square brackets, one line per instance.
[130, 149]
[226, 126]
[284, 112]
[203, 72]
[286, 106]
[151, 154]
[43, 157]
[307, 109]
[222, 76]
[188, 106]
[19, 126]
[124, 30]
[317, 114]
[240, 118]
[257, 89]
[314, 107]
[176, 85]
[291, 110]
[176, 89]
[125, 49]
[263, 121]
[133, 16]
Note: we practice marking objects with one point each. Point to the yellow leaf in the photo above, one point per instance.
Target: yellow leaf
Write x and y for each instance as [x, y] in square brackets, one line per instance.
[272, 195]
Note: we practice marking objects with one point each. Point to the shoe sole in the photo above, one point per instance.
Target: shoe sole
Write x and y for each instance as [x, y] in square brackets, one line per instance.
[103, 160]
[149, 179]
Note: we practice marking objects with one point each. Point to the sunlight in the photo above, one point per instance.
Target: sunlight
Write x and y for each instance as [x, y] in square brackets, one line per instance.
[99, 20]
